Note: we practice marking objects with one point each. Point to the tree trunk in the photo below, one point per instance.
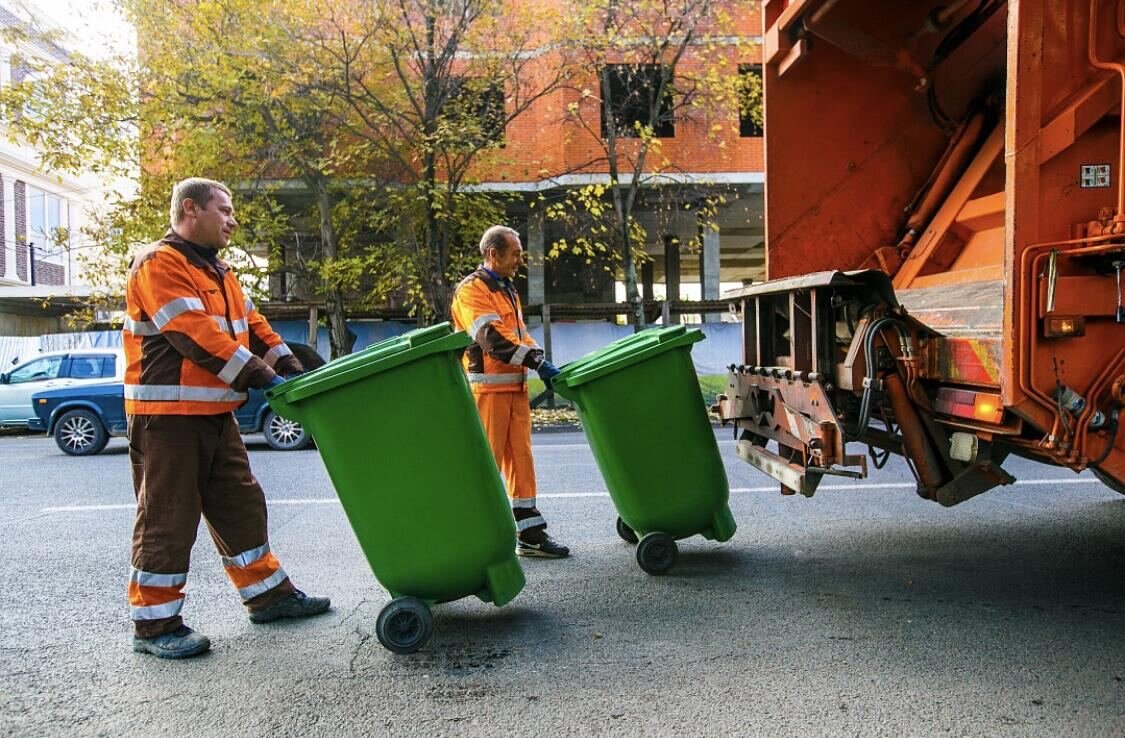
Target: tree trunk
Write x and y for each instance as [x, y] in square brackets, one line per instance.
[622, 207]
[622, 211]
[340, 339]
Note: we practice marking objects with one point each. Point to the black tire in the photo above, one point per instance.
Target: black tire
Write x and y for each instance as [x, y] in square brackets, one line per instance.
[627, 534]
[404, 625]
[1107, 480]
[307, 355]
[80, 433]
[656, 553]
[282, 434]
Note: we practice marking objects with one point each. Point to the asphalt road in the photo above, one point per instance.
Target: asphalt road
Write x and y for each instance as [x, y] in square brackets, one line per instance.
[862, 611]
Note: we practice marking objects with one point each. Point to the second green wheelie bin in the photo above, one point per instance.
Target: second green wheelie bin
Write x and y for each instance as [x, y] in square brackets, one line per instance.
[642, 412]
[402, 441]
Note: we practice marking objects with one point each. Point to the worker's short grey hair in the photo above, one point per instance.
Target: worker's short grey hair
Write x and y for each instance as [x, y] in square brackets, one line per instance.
[198, 190]
[496, 237]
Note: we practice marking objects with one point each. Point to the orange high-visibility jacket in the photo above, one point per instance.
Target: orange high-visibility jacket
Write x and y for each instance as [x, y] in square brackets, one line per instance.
[503, 350]
[193, 342]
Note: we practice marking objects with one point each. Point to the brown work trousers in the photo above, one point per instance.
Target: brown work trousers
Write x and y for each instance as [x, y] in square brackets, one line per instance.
[185, 466]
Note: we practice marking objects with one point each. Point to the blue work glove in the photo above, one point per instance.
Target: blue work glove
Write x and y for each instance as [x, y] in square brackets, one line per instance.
[291, 375]
[547, 372]
[277, 381]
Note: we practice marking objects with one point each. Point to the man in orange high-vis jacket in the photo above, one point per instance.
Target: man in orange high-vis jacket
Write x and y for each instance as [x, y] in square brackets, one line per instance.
[193, 345]
[487, 307]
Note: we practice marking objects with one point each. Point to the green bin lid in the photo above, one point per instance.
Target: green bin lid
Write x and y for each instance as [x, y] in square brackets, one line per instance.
[624, 352]
[378, 357]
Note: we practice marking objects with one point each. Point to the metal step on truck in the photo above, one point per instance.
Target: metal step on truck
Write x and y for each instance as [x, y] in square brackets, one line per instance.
[945, 242]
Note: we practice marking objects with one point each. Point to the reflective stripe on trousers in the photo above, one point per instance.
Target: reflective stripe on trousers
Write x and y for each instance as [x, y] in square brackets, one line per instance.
[184, 467]
[254, 572]
[154, 596]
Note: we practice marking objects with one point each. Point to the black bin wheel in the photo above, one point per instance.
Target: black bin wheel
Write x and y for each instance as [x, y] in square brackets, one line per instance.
[656, 553]
[404, 625]
[627, 534]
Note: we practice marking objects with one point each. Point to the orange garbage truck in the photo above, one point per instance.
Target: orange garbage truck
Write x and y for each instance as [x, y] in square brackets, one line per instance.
[945, 243]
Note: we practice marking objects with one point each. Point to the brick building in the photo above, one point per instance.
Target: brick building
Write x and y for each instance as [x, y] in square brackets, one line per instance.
[545, 153]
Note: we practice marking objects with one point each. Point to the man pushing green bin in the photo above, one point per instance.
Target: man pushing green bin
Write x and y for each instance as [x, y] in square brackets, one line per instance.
[419, 486]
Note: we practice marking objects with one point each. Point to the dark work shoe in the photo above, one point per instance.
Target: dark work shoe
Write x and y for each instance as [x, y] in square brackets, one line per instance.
[546, 548]
[181, 643]
[296, 605]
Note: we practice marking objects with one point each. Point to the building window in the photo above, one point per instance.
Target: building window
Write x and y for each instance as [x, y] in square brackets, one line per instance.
[750, 100]
[48, 225]
[630, 90]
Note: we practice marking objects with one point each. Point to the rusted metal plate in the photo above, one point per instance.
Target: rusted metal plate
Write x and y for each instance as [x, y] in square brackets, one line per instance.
[790, 475]
[973, 309]
[869, 278]
[975, 361]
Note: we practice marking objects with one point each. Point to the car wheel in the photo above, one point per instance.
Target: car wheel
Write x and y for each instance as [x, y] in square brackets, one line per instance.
[80, 433]
[283, 434]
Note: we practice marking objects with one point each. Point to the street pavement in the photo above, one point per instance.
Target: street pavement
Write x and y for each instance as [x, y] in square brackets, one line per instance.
[862, 611]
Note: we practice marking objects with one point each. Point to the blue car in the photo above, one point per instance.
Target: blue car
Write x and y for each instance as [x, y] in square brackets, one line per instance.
[83, 418]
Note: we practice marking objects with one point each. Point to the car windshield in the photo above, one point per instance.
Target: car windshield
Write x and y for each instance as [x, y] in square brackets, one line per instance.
[38, 370]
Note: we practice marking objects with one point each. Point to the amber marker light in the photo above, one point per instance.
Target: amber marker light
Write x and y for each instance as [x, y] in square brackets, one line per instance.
[1070, 327]
[987, 408]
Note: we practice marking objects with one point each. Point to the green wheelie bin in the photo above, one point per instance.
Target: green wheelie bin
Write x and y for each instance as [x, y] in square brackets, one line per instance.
[640, 406]
[402, 441]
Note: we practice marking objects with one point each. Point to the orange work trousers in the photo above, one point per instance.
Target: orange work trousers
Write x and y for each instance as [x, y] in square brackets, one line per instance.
[506, 417]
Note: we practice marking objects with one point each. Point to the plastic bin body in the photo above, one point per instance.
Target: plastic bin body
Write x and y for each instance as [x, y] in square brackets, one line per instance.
[402, 441]
[641, 409]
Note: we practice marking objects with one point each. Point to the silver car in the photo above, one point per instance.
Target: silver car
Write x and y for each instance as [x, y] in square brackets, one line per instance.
[54, 369]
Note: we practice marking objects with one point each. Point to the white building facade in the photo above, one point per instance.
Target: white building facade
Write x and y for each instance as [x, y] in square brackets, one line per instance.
[43, 213]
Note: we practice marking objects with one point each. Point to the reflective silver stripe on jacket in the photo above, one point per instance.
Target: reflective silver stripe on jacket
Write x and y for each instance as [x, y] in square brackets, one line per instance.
[481, 322]
[148, 579]
[240, 325]
[522, 502]
[169, 311]
[180, 393]
[246, 558]
[157, 612]
[477, 378]
[276, 353]
[235, 363]
[519, 355]
[175, 308]
[251, 591]
[140, 327]
[522, 525]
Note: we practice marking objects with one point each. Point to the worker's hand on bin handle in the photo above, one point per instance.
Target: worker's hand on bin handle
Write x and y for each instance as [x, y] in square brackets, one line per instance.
[547, 372]
[277, 381]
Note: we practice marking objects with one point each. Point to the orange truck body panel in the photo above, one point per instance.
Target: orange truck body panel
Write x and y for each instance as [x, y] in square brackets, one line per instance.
[984, 177]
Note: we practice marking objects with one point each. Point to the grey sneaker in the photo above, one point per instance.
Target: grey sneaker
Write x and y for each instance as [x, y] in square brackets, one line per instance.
[181, 643]
[296, 605]
[547, 548]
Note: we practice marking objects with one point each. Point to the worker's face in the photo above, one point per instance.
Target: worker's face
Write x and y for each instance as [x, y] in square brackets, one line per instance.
[211, 225]
[506, 264]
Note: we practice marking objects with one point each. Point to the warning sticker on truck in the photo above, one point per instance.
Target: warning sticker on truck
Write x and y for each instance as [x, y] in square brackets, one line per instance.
[1094, 175]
